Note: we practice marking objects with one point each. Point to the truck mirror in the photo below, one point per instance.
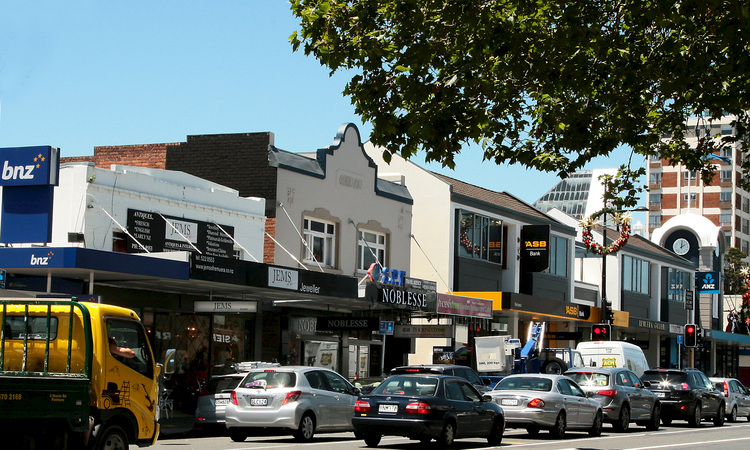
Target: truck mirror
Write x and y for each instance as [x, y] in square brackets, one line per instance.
[169, 363]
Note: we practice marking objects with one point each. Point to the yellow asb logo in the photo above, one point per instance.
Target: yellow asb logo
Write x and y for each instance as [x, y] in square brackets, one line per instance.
[535, 244]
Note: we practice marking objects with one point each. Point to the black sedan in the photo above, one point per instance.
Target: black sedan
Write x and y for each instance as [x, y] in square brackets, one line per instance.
[426, 407]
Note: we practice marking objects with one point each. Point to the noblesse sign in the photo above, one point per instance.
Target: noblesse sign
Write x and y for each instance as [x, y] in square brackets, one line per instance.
[28, 176]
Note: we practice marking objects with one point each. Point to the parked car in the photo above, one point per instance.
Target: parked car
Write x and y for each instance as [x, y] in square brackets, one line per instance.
[553, 402]
[425, 407]
[304, 400]
[464, 372]
[736, 395]
[686, 395]
[214, 398]
[622, 395]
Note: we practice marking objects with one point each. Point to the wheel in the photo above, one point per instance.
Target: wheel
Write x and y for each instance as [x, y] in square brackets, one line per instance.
[733, 415]
[532, 430]
[653, 424]
[623, 422]
[496, 433]
[554, 366]
[447, 435]
[112, 437]
[558, 431]
[695, 419]
[666, 421]
[237, 434]
[359, 435]
[372, 439]
[306, 428]
[425, 440]
[719, 417]
[596, 429]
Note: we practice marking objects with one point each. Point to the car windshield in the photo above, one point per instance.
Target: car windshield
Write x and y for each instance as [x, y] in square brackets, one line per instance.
[589, 378]
[524, 384]
[269, 379]
[218, 384]
[664, 377]
[408, 385]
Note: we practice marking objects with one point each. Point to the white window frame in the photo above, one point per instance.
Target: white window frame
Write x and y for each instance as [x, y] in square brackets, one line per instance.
[379, 247]
[327, 238]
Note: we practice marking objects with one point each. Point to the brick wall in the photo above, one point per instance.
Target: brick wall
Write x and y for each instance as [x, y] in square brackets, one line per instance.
[269, 247]
[141, 155]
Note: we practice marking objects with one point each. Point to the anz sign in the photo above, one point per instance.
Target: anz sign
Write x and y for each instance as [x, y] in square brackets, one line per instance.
[29, 166]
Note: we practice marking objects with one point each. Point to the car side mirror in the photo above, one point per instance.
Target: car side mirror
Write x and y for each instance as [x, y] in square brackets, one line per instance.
[356, 391]
[487, 398]
[590, 393]
[646, 384]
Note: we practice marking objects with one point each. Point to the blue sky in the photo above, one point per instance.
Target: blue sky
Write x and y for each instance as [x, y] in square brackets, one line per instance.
[79, 74]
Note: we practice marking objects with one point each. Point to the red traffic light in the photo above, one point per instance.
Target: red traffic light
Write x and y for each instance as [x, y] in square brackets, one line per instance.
[600, 332]
[691, 335]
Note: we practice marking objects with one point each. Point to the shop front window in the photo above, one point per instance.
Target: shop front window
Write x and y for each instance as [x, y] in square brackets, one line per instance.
[480, 237]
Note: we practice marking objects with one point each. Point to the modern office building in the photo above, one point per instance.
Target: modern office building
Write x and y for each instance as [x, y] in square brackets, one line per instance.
[579, 195]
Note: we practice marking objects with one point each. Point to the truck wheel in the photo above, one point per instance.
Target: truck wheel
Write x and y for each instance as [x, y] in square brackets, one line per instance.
[112, 437]
[554, 366]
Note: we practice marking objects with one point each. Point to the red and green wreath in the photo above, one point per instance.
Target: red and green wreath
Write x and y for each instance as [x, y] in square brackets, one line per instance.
[622, 219]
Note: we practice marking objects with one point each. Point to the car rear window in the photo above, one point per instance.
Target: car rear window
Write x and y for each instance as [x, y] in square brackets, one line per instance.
[589, 378]
[409, 386]
[524, 384]
[269, 379]
[664, 377]
[218, 384]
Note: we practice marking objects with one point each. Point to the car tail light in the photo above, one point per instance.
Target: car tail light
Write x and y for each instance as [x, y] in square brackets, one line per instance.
[412, 370]
[361, 406]
[418, 408]
[726, 389]
[234, 398]
[291, 397]
[683, 387]
[536, 403]
[607, 393]
[269, 370]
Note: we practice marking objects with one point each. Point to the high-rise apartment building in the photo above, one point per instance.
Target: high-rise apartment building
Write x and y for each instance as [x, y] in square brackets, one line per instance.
[674, 190]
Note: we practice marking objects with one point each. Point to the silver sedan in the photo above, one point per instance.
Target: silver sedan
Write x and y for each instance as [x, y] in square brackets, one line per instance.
[553, 402]
[304, 400]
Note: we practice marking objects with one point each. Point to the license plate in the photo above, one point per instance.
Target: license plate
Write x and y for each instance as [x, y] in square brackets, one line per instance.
[661, 394]
[388, 408]
[509, 402]
[258, 402]
[223, 401]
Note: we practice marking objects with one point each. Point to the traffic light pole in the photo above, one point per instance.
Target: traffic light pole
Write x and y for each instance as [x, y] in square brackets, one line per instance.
[605, 313]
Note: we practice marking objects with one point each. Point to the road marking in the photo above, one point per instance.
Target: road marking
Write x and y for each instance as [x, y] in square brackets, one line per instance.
[691, 443]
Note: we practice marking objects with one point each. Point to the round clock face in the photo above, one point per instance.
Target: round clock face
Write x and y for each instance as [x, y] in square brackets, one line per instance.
[681, 246]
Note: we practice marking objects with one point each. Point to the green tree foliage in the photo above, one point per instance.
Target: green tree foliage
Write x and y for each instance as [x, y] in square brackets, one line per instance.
[734, 280]
[547, 84]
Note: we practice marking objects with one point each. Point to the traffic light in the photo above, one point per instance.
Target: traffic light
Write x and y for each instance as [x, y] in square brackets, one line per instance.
[691, 335]
[601, 332]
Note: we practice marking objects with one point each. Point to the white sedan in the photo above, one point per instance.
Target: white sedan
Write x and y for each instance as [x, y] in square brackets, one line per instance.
[553, 402]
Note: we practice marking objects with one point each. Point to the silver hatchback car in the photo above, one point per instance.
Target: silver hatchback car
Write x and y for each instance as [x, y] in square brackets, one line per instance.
[304, 400]
[621, 394]
[214, 399]
[737, 397]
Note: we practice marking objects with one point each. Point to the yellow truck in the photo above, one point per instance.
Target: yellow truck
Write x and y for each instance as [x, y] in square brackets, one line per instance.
[76, 375]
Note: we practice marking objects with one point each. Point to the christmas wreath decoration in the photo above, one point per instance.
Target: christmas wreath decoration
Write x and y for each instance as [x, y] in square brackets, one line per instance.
[622, 219]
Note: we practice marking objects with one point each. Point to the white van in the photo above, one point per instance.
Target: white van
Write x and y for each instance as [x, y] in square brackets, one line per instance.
[613, 354]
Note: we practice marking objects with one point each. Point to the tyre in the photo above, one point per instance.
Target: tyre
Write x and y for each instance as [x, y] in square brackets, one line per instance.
[237, 434]
[558, 431]
[719, 417]
[111, 437]
[695, 419]
[653, 424]
[372, 439]
[554, 366]
[596, 428]
[733, 415]
[306, 428]
[425, 440]
[623, 421]
[532, 430]
[447, 435]
[666, 421]
[496, 433]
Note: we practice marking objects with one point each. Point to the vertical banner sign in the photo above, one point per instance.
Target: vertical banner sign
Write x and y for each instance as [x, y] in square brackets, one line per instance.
[28, 176]
[535, 248]
[707, 282]
[688, 299]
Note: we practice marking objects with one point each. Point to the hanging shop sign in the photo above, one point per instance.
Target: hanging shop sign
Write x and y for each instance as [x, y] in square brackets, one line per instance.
[707, 282]
[423, 331]
[398, 297]
[347, 323]
[464, 306]
[225, 306]
[159, 233]
[535, 248]
[650, 325]
[545, 306]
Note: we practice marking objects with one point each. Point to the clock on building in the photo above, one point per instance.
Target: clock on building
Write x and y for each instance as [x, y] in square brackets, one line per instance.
[681, 246]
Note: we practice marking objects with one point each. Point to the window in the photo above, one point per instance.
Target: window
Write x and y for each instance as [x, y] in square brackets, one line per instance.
[725, 220]
[726, 176]
[320, 237]
[727, 131]
[654, 220]
[480, 237]
[693, 196]
[130, 335]
[727, 152]
[725, 198]
[655, 178]
[654, 200]
[655, 157]
[745, 226]
[370, 249]
[678, 282]
[635, 275]
[692, 173]
[746, 204]
[337, 383]
[558, 256]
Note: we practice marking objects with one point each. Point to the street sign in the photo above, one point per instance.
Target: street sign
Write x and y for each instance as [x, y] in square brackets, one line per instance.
[679, 339]
[688, 299]
[2, 278]
[386, 327]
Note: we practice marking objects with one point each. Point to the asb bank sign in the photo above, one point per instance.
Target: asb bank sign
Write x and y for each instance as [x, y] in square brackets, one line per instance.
[28, 176]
